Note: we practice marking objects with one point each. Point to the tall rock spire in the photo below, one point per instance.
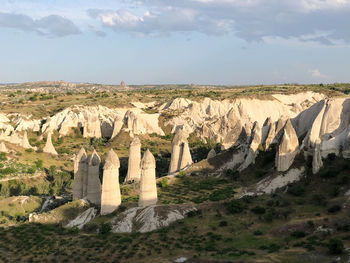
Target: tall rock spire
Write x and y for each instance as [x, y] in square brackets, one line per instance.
[180, 152]
[288, 148]
[93, 191]
[80, 175]
[134, 169]
[148, 185]
[49, 148]
[110, 197]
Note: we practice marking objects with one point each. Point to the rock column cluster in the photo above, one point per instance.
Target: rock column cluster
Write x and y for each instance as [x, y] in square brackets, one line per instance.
[86, 177]
[87, 183]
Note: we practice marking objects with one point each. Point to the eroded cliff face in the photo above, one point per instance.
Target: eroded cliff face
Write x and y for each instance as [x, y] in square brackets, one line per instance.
[317, 126]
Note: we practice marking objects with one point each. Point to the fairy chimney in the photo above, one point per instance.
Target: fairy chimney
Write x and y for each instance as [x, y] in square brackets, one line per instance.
[110, 197]
[148, 185]
[134, 169]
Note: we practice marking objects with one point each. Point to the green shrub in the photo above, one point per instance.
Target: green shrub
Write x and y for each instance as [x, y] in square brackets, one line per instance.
[3, 157]
[334, 209]
[298, 234]
[296, 190]
[105, 228]
[234, 206]
[257, 233]
[319, 199]
[30, 150]
[268, 217]
[222, 194]
[258, 210]
[335, 246]
[39, 164]
[163, 183]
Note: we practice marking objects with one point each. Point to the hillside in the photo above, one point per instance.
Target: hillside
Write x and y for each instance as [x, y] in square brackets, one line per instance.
[266, 177]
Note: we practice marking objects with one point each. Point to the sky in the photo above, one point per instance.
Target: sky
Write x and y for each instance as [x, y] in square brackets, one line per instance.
[213, 42]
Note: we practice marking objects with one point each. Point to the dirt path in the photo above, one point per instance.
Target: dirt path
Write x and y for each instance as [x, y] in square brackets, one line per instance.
[22, 177]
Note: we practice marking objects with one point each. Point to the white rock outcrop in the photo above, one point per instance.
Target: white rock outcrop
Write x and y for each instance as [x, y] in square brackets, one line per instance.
[148, 185]
[110, 198]
[271, 183]
[3, 148]
[81, 220]
[150, 218]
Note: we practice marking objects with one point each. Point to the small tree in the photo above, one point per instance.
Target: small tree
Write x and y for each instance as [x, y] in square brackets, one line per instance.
[335, 246]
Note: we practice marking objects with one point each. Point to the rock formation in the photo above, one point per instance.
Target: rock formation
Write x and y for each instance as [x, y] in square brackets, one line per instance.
[93, 190]
[25, 143]
[148, 185]
[49, 148]
[117, 126]
[211, 154]
[253, 143]
[180, 152]
[150, 218]
[92, 127]
[288, 148]
[80, 175]
[134, 164]
[110, 198]
[3, 148]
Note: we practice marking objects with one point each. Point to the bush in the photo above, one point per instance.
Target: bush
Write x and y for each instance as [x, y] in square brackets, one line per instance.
[258, 210]
[30, 150]
[234, 206]
[3, 157]
[268, 217]
[335, 246]
[221, 194]
[257, 233]
[163, 183]
[319, 199]
[334, 209]
[39, 164]
[298, 234]
[105, 228]
[296, 190]
[223, 224]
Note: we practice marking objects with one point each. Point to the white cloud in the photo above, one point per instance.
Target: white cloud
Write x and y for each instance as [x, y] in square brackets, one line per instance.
[51, 26]
[315, 73]
[252, 20]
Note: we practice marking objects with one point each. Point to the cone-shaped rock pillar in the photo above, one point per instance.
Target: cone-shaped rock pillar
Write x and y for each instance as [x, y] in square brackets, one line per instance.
[288, 148]
[80, 175]
[148, 185]
[3, 148]
[49, 148]
[110, 197]
[185, 157]
[180, 152]
[24, 142]
[93, 191]
[134, 168]
[211, 154]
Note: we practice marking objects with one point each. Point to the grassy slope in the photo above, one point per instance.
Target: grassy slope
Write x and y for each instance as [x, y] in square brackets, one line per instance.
[213, 233]
[205, 235]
